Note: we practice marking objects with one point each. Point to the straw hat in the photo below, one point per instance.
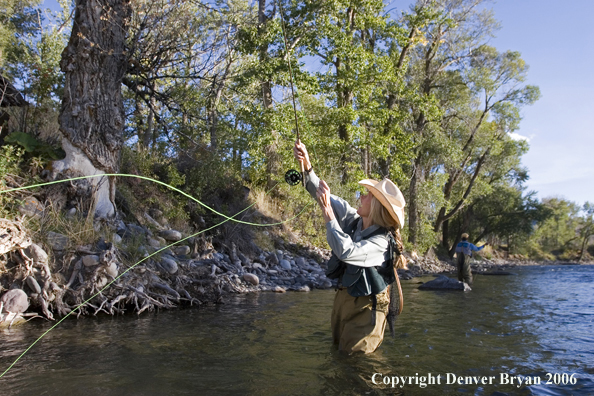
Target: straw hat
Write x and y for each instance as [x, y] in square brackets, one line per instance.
[465, 236]
[389, 196]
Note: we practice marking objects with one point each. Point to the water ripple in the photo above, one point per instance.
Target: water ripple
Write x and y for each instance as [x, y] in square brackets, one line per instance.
[531, 325]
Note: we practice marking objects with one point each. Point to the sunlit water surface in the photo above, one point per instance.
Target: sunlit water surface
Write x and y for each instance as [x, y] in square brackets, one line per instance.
[536, 323]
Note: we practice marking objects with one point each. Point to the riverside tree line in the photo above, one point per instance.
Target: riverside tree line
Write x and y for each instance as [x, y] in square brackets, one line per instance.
[197, 94]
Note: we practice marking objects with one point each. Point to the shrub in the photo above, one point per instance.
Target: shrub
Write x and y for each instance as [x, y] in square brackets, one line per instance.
[10, 159]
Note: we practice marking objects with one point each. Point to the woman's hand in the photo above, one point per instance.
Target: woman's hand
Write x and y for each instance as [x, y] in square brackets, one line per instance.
[323, 197]
[301, 155]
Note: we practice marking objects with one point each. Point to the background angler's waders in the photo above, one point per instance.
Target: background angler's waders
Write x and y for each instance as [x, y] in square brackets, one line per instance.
[464, 271]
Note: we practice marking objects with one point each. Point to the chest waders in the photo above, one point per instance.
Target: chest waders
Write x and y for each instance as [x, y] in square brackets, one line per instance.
[365, 281]
[464, 270]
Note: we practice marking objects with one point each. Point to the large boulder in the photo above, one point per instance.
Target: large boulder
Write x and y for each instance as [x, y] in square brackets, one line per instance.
[442, 282]
[30, 206]
[37, 253]
[154, 242]
[90, 260]
[285, 264]
[251, 278]
[301, 262]
[181, 250]
[171, 235]
[169, 265]
[14, 300]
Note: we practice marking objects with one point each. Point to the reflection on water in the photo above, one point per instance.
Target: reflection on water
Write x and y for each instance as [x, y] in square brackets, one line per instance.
[538, 321]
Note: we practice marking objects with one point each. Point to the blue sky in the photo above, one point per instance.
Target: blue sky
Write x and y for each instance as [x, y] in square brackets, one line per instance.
[556, 38]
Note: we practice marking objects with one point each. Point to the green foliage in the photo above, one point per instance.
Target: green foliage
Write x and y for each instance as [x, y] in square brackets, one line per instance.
[151, 165]
[586, 229]
[208, 176]
[386, 97]
[34, 147]
[17, 19]
[430, 194]
[35, 52]
[420, 98]
[142, 162]
[10, 158]
[30, 57]
[469, 97]
[558, 235]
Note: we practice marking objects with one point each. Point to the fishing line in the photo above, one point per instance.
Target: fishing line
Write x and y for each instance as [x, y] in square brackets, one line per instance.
[292, 177]
[227, 218]
[151, 180]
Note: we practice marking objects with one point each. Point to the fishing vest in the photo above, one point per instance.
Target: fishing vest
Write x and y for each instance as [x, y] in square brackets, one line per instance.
[364, 281]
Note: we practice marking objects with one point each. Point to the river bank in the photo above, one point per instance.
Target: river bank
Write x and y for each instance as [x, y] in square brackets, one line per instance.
[147, 268]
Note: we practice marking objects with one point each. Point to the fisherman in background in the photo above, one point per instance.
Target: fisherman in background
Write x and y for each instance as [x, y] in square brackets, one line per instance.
[366, 251]
[464, 251]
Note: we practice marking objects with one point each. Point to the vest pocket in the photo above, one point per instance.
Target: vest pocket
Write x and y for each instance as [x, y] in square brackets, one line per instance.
[351, 275]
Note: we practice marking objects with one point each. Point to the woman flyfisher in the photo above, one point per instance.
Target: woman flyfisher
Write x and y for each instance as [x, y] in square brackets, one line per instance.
[366, 250]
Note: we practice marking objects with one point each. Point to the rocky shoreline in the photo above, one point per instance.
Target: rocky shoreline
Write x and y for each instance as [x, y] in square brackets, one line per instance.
[170, 271]
[143, 268]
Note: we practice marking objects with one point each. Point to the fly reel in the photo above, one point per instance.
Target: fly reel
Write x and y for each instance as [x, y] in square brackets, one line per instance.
[293, 177]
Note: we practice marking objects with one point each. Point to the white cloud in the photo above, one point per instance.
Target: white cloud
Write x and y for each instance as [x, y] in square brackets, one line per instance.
[517, 136]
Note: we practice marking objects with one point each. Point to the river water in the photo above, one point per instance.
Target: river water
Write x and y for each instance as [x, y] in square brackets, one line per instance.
[534, 325]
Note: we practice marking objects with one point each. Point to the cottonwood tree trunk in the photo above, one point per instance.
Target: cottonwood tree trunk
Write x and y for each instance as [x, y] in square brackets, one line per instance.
[92, 114]
[445, 234]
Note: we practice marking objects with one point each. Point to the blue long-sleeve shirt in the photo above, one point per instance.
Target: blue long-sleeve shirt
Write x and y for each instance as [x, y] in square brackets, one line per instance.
[467, 248]
[360, 250]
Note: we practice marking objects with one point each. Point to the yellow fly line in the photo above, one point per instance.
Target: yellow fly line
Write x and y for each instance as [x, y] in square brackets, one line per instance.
[227, 218]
